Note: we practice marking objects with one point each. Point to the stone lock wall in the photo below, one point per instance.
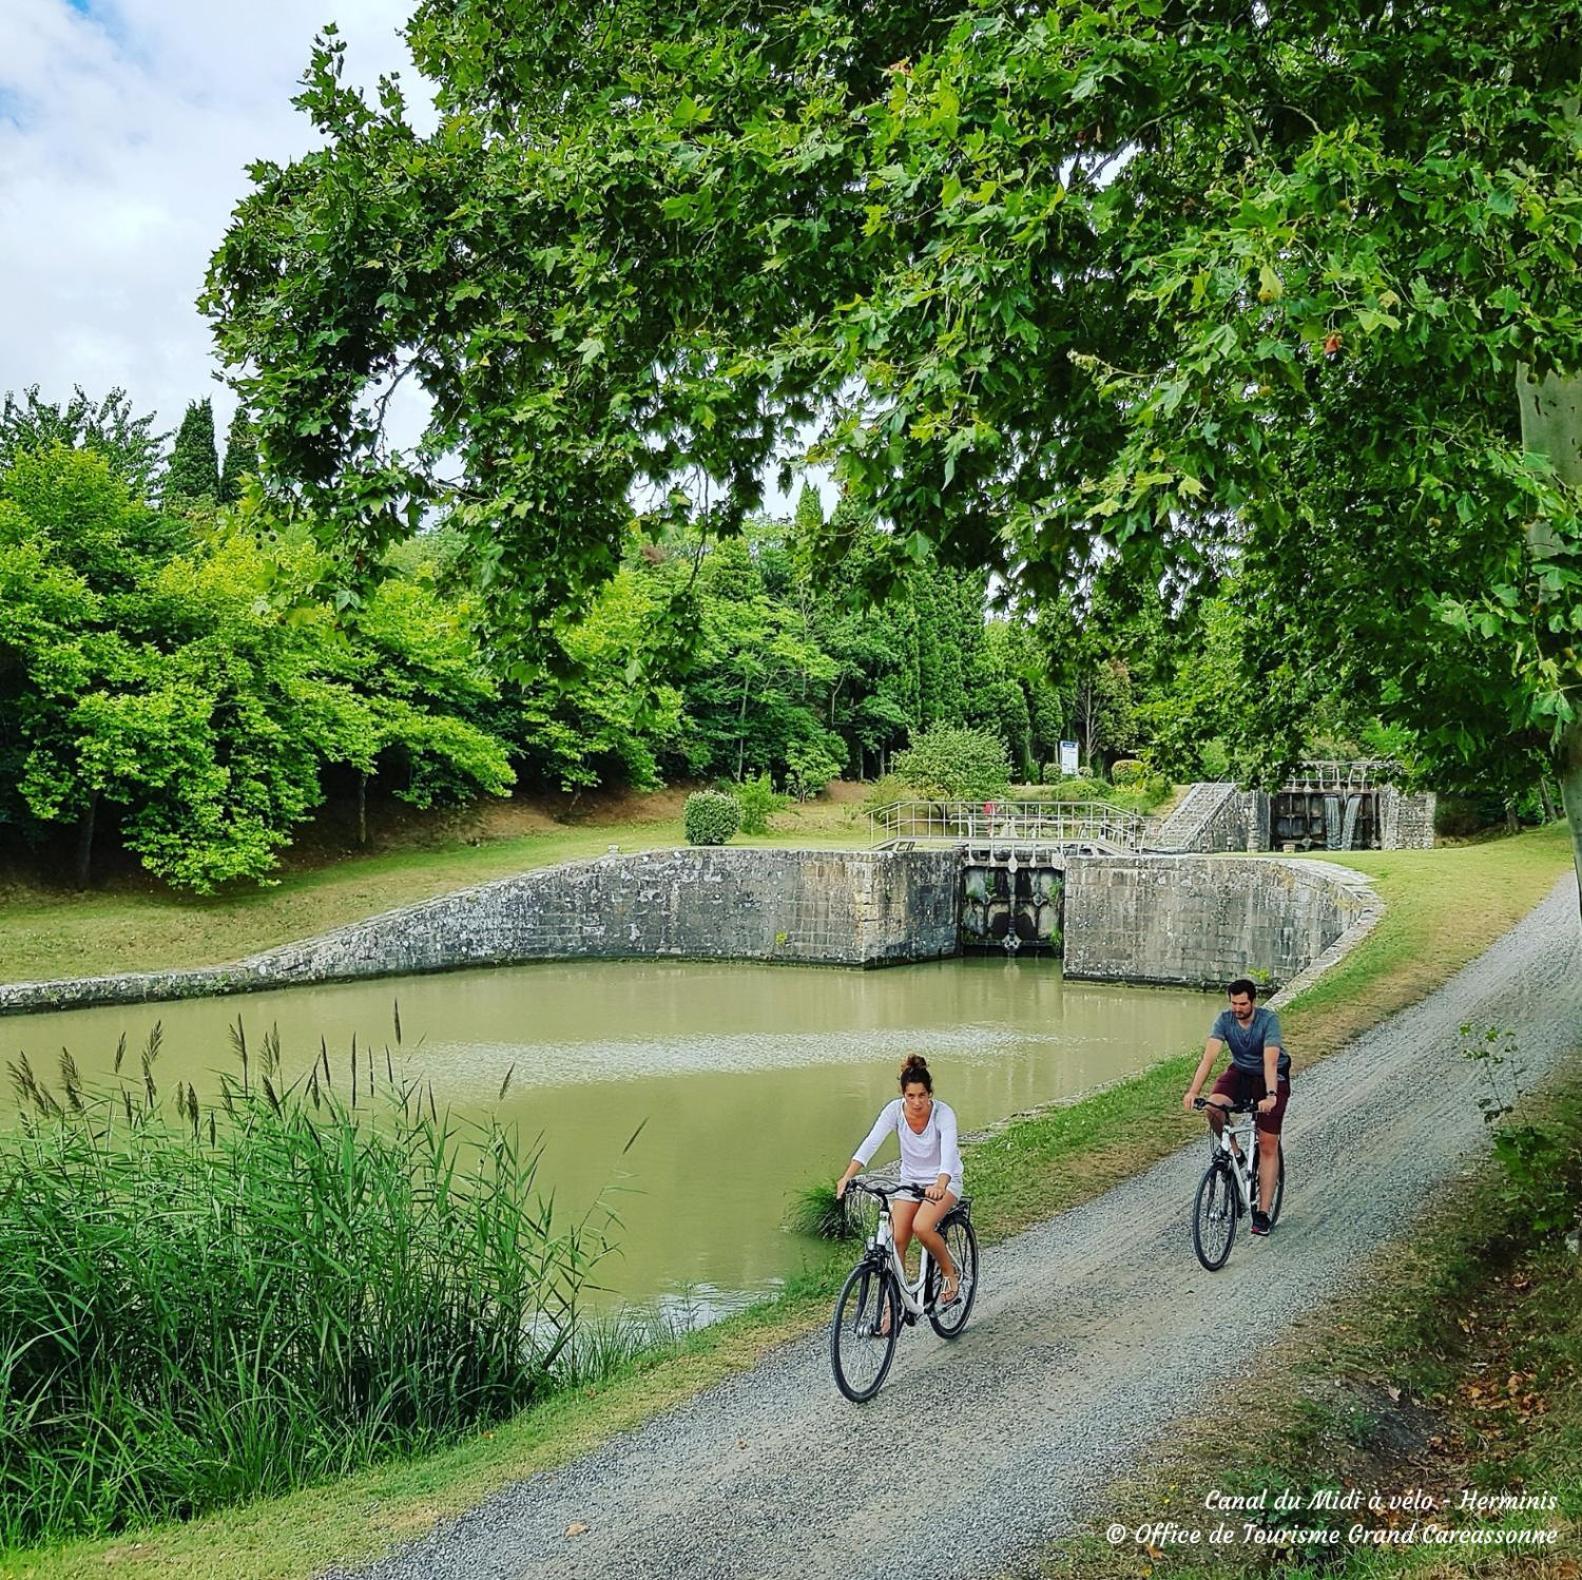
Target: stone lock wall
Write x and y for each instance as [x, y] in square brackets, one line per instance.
[818, 907]
[1152, 918]
[853, 908]
[1200, 922]
[1406, 822]
[1220, 817]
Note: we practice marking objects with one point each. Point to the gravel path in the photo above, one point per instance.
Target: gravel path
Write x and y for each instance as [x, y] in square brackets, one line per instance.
[1090, 1333]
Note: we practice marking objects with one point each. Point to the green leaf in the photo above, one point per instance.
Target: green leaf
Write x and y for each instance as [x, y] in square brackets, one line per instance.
[689, 114]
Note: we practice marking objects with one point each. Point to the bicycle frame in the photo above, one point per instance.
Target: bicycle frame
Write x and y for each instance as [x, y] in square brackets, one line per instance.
[881, 1244]
[1241, 1168]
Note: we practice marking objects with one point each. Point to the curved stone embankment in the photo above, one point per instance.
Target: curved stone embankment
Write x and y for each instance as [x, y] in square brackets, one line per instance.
[1164, 919]
[812, 907]
[1200, 921]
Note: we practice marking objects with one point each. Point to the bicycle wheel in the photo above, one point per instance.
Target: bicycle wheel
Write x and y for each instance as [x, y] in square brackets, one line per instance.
[962, 1244]
[858, 1351]
[1214, 1217]
[1279, 1188]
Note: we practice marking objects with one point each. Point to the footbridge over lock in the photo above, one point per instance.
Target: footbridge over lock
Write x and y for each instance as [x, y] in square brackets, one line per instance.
[1014, 856]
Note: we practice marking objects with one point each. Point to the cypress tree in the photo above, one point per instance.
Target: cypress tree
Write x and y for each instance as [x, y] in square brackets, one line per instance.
[241, 456]
[807, 523]
[194, 470]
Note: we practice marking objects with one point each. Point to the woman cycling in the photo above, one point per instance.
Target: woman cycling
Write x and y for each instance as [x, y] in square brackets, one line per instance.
[930, 1160]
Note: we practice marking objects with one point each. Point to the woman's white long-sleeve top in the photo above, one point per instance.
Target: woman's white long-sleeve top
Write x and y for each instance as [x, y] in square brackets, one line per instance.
[923, 1157]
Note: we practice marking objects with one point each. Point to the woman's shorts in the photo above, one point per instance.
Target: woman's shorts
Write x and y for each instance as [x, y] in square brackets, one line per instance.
[1241, 1086]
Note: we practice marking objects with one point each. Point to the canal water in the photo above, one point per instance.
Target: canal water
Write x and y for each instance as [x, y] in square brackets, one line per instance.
[742, 1083]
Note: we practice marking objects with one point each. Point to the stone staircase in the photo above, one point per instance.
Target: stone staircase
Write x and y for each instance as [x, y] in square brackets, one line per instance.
[1189, 826]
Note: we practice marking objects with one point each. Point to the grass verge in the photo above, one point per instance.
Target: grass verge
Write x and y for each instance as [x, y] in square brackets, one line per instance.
[1452, 1371]
[1443, 908]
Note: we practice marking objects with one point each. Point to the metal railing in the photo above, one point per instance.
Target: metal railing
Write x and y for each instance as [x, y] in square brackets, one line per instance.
[1065, 824]
[1336, 777]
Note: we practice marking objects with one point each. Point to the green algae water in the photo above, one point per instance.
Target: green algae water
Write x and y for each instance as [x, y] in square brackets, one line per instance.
[741, 1083]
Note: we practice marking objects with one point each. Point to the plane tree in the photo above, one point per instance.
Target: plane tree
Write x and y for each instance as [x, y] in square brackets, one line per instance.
[1182, 282]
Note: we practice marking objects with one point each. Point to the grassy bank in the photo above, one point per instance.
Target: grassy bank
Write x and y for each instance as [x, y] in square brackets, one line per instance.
[1444, 907]
[46, 934]
[1453, 1367]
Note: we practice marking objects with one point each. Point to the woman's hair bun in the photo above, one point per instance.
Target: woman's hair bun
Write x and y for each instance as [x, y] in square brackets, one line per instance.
[915, 1068]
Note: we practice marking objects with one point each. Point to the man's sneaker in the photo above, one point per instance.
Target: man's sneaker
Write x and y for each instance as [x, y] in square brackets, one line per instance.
[1260, 1222]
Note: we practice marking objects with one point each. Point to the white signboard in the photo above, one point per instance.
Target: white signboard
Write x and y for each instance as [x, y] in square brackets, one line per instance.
[1068, 758]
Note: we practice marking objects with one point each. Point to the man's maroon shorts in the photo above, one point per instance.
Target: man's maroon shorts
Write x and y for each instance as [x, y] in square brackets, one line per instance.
[1240, 1087]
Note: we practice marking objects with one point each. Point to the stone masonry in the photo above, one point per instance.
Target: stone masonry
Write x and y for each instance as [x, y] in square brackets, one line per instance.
[1167, 919]
[1406, 821]
[1211, 816]
[1201, 921]
[854, 908]
[1218, 816]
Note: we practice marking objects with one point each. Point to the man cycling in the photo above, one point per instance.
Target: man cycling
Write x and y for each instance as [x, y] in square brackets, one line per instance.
[1260, 1067]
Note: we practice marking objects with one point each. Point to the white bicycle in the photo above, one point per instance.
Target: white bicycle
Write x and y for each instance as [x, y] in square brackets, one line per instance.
[877, 1297]
[1229, 1186]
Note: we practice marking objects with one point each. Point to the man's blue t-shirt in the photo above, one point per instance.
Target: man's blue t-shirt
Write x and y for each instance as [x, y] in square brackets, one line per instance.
[1246, 1043]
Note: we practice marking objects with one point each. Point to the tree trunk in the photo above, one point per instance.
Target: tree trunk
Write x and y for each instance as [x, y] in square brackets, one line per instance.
[1087, 721]
[362, 811]
[1551, 410]
[741, 732]
[1546, 800]
[85, 840]
[1570, 768]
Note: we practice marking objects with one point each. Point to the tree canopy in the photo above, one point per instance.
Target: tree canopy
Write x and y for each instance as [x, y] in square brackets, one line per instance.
[195, 684]
[241, 457]
[1164, 281]
[128, 443]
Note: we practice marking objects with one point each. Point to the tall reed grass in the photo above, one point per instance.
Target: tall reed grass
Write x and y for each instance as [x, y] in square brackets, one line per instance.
[199, 1306]
[815, 1211]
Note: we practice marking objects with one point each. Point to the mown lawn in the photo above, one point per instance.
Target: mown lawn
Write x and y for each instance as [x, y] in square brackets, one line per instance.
[1443, 908]
[55, 934]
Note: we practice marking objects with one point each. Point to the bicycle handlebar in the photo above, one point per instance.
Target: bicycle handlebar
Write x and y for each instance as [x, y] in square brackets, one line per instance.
[883, 1192]
[1229, 1108]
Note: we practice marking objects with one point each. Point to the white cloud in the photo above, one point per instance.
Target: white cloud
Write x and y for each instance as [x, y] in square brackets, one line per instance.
[126, 127]
[125, 130]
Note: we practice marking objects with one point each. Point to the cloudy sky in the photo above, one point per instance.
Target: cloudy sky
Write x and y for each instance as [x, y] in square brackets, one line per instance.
[125, 127]
[125, 130]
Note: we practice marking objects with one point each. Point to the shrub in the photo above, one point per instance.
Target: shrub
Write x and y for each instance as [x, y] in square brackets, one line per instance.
[1143, 791]
[710, 817]
[950, 762]
[1126, 771]
[225, 1304]
[882, 792]
[758, 801]
[1078, 787]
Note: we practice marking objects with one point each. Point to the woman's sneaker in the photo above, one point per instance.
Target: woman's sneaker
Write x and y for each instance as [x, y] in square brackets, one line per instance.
[1260, 1222]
